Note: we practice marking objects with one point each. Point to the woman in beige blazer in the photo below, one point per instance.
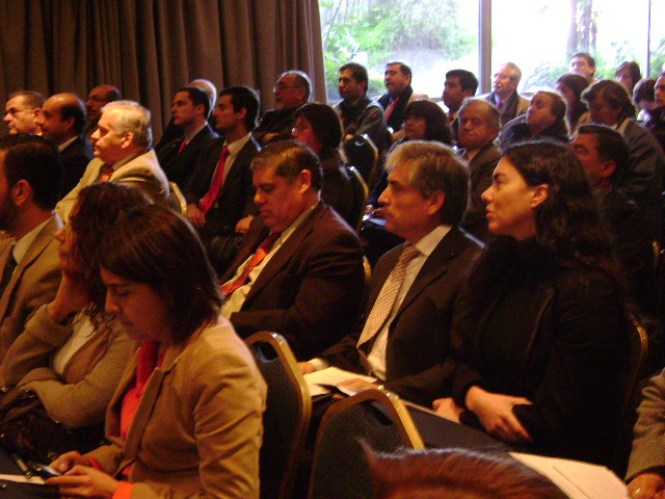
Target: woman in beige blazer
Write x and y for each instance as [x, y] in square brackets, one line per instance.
[72, 353]
[186, 418]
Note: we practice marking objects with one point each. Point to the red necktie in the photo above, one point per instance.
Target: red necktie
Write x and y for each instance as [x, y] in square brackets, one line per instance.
[257, 258]
[209, 199]
[182, 146]
[389, 109]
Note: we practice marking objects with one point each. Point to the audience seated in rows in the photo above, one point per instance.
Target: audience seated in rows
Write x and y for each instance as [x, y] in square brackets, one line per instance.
[186, 416]
[478, 129]
[642, 181]
[21, 111]
[30, 171]
[318, 126]
[545, 118]
[220, 192]
[123, 153]
[550, 378]
[299, 269]
[62, 121]
[404, 336]
[72, 352]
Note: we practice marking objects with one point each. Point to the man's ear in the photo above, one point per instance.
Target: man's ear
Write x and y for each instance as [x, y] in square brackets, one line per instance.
[21, 192]
[608, 168]
[128, 140]
[305, 180]
[436, 202]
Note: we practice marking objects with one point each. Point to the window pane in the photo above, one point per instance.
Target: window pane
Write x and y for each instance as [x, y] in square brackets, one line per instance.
[431, 36]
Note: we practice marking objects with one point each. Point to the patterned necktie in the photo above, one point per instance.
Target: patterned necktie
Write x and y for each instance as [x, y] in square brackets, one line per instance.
[258, 256]
[209, 199]
[105, 173]
[387, 296]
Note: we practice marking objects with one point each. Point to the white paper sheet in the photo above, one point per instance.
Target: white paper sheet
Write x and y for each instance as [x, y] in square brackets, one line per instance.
[332, 376]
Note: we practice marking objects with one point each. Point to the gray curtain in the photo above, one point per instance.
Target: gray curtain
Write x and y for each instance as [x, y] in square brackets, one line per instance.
[150, 48]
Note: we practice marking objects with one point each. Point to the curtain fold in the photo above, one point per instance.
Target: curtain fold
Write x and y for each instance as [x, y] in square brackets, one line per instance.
[150, 48]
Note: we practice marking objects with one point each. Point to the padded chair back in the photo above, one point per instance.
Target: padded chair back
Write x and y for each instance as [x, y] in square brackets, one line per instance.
[638, 355]
[360, 193]
[287, 415]
[362, 153]
[376, 417]
[176, 199]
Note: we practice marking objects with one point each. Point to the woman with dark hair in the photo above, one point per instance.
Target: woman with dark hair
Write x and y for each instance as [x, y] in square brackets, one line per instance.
[545, 118]
[185, 420]
[319, 126]
[72, 351]
[424, 120]
[571, 86]
[543, 325]
[628, 74]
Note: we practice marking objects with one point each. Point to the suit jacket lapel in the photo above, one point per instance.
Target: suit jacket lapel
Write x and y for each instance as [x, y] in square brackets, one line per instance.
[280, 259]
[36, 248]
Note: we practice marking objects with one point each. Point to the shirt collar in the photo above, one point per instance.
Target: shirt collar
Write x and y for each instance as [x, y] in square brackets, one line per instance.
[426, 245]
[236, 146]
[22, 245]
[66, 144]
[189, 137]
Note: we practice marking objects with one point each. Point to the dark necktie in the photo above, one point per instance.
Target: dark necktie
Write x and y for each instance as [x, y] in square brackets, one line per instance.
[105, 173]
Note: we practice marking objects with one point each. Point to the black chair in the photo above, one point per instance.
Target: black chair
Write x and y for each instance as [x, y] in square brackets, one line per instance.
[375, 417]
[362, 153]
[360, 193]
[287, 415]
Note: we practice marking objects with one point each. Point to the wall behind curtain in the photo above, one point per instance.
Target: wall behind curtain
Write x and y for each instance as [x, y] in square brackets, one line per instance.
[150, 48]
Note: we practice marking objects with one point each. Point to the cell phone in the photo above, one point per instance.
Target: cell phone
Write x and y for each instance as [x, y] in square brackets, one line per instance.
[43, 470]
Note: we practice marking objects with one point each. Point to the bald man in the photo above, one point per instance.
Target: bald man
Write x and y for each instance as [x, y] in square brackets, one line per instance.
[62, 121]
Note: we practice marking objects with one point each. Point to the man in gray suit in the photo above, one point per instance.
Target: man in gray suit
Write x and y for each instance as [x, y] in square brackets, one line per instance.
[30, 170]
[123, 153]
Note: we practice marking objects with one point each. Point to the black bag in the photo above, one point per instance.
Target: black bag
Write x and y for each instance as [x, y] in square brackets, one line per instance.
[27, 430]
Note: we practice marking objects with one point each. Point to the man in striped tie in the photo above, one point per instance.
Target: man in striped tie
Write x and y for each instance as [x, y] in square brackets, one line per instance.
[404, 338]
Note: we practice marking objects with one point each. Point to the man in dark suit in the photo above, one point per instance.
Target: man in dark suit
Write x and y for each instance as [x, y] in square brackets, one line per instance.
[478, 129]
[63, 122]
[189, 112]
[460, 84]
[405, 337]
[220, 193]
[299, 269]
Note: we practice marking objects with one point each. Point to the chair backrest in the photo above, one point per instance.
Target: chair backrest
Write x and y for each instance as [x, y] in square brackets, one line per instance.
[362, 153]
[176, 199]
[360, 194]
[638, 356]
[375, 417]
[287, 415]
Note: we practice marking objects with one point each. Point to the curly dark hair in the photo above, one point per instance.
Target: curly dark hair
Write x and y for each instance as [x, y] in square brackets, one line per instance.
[436, 120]
[569, 228]
[97, 209]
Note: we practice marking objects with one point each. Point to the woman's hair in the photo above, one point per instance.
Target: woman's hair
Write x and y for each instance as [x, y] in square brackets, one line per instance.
[644, 90]
[325, 123]
[97, 209]
[632, 68]
[614, 94]
[577, 84]
[437, 126]
[456, 474]
[568, 224]
[154, 246]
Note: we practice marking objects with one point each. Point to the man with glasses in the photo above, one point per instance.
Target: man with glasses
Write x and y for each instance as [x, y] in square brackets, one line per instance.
[504, 96]
[291, 90]
[21, 110]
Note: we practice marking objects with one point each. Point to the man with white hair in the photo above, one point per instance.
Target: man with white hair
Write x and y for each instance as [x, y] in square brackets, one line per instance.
[123, 153]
